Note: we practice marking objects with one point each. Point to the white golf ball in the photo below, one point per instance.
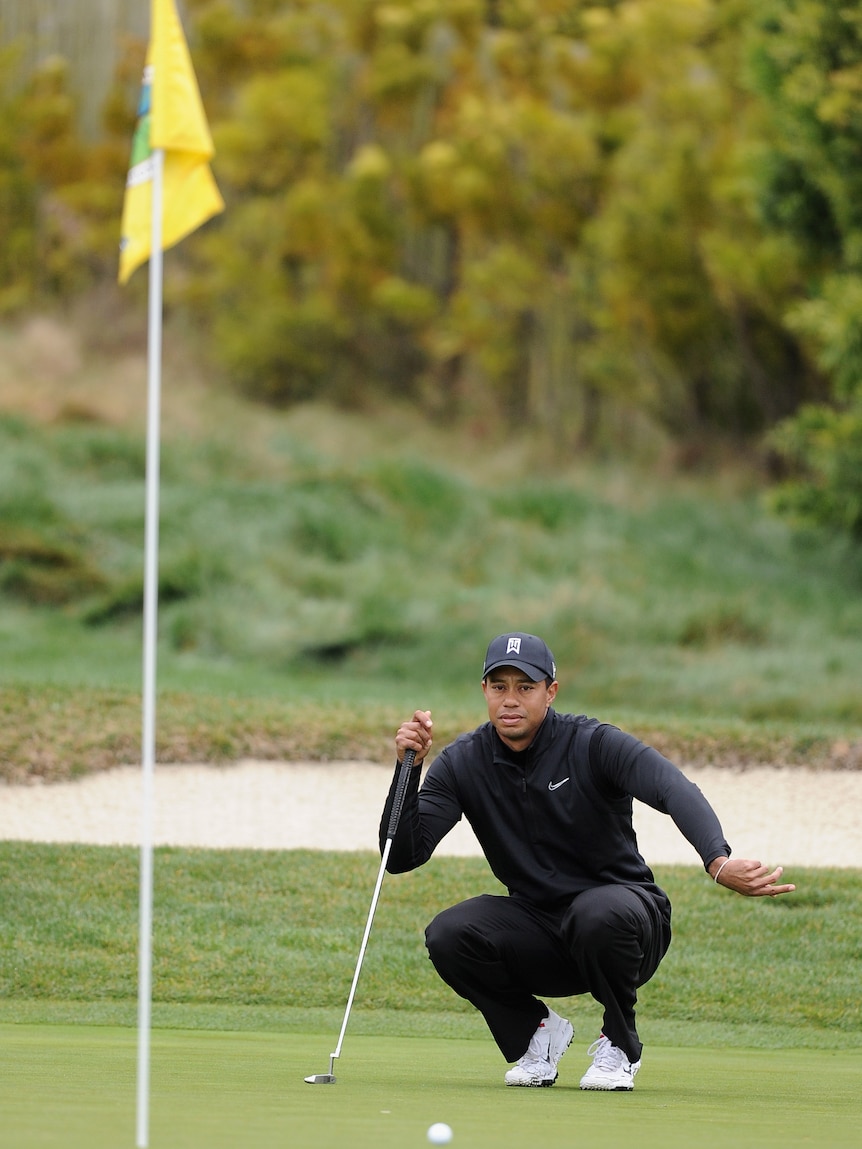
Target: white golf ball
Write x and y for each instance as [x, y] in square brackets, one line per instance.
[440, 1133]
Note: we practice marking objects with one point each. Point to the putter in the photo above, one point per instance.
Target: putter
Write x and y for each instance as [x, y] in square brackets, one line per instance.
[394, 816]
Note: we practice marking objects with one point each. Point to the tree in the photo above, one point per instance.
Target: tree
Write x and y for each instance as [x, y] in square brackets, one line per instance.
[60, 196]
[807, 63]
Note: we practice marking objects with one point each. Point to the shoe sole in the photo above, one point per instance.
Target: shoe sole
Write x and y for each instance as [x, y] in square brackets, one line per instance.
[543, 1084]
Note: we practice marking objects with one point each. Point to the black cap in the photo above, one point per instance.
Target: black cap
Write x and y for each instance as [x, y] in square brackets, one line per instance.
[523, 651]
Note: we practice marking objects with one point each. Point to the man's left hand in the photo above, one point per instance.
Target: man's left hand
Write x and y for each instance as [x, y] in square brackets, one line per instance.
[750, 878]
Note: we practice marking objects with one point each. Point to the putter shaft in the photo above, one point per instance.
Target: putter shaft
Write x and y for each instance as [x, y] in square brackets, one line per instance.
[398, 801]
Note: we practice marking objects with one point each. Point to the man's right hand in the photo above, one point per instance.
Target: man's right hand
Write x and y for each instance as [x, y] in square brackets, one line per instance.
[415, 734]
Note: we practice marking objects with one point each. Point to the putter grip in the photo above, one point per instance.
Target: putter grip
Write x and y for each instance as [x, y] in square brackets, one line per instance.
[400, 791]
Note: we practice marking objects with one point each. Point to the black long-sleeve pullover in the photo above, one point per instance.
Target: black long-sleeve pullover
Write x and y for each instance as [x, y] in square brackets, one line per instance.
[555, 819]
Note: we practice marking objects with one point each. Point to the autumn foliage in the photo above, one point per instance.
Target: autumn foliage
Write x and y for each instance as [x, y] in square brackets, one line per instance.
[602, 222]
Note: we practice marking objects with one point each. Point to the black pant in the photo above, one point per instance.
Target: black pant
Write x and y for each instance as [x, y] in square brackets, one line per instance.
[499, 952]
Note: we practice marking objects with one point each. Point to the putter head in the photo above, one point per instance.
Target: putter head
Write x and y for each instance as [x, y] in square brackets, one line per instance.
[324, 1078]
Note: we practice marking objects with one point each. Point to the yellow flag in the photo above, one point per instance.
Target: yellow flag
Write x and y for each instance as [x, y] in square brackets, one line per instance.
[171, 117]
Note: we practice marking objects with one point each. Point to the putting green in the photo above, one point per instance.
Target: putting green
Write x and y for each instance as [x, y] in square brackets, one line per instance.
[74, 1088]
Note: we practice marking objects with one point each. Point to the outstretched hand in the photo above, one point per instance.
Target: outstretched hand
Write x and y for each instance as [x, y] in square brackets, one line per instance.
[749, 878]
[414, 734]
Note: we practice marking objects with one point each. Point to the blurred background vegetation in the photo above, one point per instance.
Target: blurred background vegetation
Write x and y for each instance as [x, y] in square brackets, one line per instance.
[533, 311]
[605, 222]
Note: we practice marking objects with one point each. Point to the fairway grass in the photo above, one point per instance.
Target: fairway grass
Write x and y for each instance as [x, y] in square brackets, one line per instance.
[74, 1087]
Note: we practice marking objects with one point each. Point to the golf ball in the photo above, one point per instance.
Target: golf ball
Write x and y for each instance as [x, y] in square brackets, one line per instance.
[440, 1133]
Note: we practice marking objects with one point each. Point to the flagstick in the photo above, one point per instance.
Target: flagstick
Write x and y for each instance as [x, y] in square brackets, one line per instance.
[151, 601]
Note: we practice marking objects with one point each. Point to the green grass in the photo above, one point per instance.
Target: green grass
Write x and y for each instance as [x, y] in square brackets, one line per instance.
[245, 932]
[752, 1026]
[318, 581]
[74, 1087]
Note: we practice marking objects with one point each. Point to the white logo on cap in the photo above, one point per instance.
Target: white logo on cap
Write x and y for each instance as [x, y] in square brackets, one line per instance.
[513, 646]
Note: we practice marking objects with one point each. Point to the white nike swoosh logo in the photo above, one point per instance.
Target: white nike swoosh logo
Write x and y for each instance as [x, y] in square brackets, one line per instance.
[557, 785]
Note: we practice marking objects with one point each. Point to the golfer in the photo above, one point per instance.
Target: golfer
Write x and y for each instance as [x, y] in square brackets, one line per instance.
[549, 797]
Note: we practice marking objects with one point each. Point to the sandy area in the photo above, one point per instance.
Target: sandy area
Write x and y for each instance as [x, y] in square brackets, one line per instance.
[789, 816]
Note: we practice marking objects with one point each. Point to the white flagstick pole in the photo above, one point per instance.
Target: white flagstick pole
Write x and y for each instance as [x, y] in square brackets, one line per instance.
[151, 606]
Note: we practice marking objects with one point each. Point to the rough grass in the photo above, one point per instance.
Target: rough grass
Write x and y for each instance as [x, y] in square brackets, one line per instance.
[60, 732]
[55, 732]
[322, 573]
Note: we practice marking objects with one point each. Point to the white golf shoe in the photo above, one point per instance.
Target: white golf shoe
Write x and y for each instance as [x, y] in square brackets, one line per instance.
[538, 1066]
[611, 1069]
